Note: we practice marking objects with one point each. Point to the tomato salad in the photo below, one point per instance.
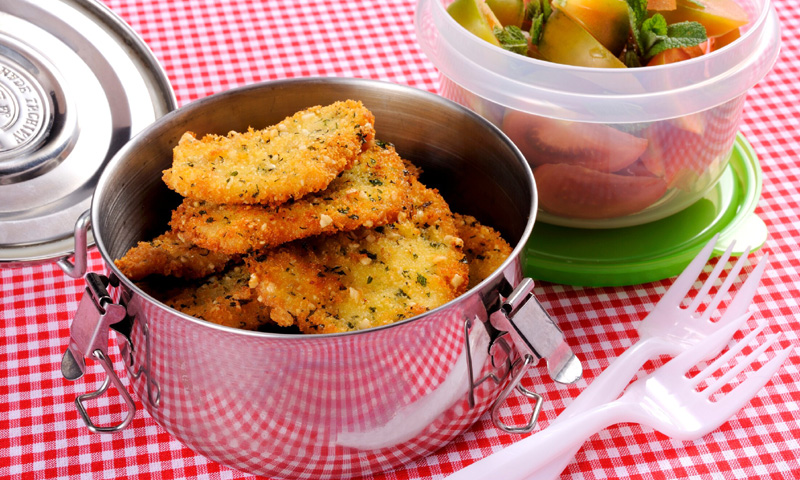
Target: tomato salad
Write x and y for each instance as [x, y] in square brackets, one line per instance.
[604, 33]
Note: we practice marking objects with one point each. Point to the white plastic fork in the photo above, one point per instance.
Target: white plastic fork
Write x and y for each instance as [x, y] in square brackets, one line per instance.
[666, 400]
[668, 329]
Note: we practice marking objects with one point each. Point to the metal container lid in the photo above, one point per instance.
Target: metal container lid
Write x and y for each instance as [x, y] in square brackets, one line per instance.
[76, 83]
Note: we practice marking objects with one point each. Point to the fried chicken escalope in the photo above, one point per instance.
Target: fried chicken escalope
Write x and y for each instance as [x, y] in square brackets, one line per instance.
[170, 255]
[484, 247]
[224, 299]
[368, 277]
[310, 224]
[371, 193]
[300, 155]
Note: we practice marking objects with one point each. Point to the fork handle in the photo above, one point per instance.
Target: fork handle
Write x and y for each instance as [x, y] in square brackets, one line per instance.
[604, 388]
[617, 375]
[523, 458]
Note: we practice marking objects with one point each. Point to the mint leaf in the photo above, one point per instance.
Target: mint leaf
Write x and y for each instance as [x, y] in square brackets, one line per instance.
[533, 10]
[537, 16]
[683, 34]
[652, 30]
[631, 59]
[652, 35]
[536, 28]
[637, 14]
[512, 39]
[692, 30]
[656, 24]
[539, 7]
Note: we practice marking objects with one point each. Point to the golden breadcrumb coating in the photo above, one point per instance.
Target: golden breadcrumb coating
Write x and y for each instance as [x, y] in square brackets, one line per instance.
[170, 254]
[412, 169]
[485, 248]
[300, 155]
[367, 277]
[224, 299]
[336, 231]
[370, 193]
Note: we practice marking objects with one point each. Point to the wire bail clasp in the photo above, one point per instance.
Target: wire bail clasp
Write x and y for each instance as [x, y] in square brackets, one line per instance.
[96, 312]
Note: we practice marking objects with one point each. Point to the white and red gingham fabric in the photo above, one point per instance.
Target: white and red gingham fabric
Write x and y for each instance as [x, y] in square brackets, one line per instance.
[208, 46]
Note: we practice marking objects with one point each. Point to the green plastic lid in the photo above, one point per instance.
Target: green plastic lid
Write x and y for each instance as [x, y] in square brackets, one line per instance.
[659, 249]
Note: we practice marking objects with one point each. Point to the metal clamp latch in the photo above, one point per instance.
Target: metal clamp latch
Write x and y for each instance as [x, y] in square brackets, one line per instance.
[535, 335]
[89, 339]
[518, 369]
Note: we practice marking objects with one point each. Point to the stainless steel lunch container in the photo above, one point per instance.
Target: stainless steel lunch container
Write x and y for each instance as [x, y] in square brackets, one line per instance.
[323, 406]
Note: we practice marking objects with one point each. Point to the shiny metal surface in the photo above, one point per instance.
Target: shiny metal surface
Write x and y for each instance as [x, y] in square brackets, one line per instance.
[25, 114]
[322, 406]
[76, 267]
[89, 339]
[75, 85]
[534, 332]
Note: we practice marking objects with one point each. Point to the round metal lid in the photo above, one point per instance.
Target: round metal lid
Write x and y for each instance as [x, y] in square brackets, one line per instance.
[76, 83]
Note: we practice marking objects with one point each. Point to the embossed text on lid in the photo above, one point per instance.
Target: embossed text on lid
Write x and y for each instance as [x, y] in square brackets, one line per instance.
[23, 109]
[76, 84]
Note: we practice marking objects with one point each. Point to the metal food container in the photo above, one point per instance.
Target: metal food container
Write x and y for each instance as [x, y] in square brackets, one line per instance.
[319, 406]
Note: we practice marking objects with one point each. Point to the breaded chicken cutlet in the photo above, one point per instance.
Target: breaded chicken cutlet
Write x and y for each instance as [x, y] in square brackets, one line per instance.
[224, 299]
[370, 193]
[335, 230]
[300, 155]
[170, 255]
[367, 277]
[484, 247]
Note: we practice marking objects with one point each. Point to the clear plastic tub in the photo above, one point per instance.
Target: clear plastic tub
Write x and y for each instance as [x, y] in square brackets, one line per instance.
[610, 147]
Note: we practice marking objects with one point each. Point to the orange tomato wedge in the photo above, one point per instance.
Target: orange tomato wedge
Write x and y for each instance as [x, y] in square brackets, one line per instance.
[660, 5]
[726, 39]
[578, 192]
[546, 140]
[717, 16]
[680, 54]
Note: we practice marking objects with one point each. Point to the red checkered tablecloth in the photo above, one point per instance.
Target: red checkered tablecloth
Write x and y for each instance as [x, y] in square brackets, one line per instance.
[209, 46]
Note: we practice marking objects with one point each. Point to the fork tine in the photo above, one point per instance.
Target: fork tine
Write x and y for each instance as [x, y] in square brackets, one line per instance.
[734, 400]
[682, 363]
[744, 297]
[732, 351]
[686, 279]
[744, 363]
[712, 277]
[726, 285]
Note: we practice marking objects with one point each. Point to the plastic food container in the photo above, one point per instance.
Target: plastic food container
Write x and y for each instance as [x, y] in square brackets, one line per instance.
[609, 147]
